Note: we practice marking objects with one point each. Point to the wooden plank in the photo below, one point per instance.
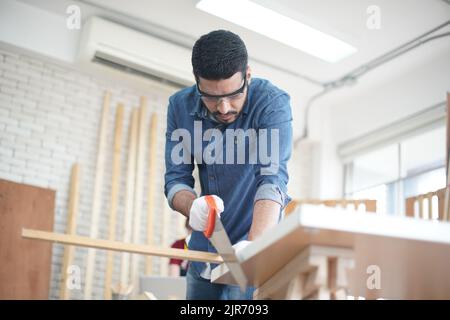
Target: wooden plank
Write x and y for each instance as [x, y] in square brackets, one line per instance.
[140, 159]
[371, 205]
[115, 185]
[74, 196]
[25, 265]
[441, 200]
[97, 199]
[165, 221]
[409, 206]
[429, 197]
[447, 153]
[121, 246]
[129, 195]
[151, 187]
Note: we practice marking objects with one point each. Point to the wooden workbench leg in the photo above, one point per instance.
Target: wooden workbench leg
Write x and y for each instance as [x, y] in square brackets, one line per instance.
[295, 288]
[337, 276]
[316, 273]
[315, 285]
[276, 287]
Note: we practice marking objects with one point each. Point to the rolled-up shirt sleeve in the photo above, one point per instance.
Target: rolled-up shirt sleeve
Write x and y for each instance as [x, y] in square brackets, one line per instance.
[272, 192]
[178, 176]
[272, 177]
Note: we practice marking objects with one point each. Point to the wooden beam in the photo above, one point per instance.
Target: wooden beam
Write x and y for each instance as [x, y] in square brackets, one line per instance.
[74, 195]
[140, 159]
[96, 201]
[129, 193]
[371, 205]
[165, 221]
[441, 202]
[122, 246]
[151, 187]
[115, 184]
[447, 153]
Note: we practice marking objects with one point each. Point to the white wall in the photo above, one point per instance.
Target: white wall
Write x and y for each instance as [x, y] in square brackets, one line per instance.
[49, 120]
[367, 108]
[37, 30]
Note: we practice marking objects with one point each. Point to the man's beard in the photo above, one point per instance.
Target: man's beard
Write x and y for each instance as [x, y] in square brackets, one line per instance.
[217, 116]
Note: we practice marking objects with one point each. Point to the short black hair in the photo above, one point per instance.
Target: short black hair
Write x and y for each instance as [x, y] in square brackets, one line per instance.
[218, 55]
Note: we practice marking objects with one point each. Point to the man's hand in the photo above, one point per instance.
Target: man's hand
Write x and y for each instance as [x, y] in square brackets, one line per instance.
[198, 215]
[239, 246]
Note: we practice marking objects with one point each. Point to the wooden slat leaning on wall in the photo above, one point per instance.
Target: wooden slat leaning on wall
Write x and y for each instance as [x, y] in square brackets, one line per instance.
[129, 195]
[115, 184]
[138, 190]
[69, 251]
[369, 205]
[151, 187]
[96, 200]
[165, 220]
[446, 216]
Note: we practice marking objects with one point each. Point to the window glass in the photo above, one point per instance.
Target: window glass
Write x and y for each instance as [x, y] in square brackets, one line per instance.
[375, 168]
[423, 152]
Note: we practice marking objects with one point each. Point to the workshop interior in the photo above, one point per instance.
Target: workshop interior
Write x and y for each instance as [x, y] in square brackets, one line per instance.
[86, 88]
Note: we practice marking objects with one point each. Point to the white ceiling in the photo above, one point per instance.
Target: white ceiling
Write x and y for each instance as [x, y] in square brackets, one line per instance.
[181, 22]
[401, 21]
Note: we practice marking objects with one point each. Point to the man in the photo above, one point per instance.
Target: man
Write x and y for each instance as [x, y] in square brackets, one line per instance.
[227, 114]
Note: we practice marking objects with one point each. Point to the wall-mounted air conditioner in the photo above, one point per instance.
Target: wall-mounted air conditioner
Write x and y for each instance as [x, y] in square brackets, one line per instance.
[110, 44]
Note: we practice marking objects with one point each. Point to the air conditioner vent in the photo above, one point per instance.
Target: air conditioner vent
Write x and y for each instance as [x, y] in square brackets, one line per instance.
[103, 59]
[105, 43]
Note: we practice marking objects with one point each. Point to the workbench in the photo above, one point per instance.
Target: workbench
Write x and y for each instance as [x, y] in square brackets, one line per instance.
[330, 253]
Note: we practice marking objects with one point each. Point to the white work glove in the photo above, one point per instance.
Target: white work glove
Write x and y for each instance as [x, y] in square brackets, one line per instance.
[239, 246]
[198, 215]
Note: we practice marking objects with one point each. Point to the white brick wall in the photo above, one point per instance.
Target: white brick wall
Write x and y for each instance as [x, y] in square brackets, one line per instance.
[49, 119]
[302, 168]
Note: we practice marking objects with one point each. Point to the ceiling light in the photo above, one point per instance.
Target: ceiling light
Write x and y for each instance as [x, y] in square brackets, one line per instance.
[278, 27]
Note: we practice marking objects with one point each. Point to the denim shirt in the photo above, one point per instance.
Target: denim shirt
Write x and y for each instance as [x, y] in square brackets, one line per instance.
[238, 184]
